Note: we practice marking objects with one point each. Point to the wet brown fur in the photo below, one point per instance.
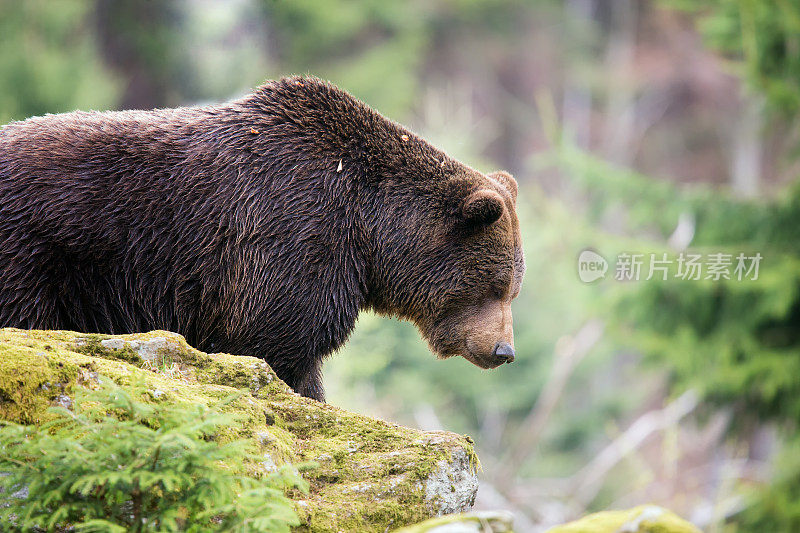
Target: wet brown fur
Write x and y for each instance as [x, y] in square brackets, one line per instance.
[260, 227]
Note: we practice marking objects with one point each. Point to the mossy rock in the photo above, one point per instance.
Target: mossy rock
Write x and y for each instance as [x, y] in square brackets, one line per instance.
[642, 519]
[372, 475]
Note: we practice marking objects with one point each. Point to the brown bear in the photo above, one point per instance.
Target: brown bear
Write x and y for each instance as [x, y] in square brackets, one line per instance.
[261, 226]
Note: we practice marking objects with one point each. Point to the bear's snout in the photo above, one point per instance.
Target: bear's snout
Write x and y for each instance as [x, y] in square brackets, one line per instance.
[504, 352]
[488, 334]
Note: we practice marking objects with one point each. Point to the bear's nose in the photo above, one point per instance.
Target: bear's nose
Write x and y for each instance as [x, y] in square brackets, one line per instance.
[505, 351]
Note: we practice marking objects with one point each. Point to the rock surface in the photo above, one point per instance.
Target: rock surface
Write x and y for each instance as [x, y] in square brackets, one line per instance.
[477, 522]
[372, 475]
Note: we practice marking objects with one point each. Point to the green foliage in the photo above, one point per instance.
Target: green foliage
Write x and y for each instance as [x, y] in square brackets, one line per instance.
[762, 37]
[379, 50]
[776, 507]
[119, 462]
[734, 341]
[49, 62]
[368, 47]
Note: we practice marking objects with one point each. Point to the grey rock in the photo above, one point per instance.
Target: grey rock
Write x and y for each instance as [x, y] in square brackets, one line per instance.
[452, 487]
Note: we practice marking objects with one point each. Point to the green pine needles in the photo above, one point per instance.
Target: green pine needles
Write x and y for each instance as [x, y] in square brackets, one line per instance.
[116, 463]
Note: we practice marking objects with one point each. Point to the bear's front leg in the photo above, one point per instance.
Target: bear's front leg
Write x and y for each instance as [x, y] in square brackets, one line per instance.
[311, 386]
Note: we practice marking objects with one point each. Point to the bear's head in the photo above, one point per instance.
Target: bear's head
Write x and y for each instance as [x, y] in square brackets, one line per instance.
[439, 242]
[449, 258]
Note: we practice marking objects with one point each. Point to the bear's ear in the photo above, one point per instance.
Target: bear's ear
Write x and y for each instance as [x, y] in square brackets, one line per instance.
[482, 207]
[506, 180]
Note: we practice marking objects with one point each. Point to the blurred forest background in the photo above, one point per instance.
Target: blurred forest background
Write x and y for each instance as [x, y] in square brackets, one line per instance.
[653, 126]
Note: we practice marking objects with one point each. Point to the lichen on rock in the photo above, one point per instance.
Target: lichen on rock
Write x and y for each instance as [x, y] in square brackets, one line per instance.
[452, 486]
[642, 519]
[371, 475]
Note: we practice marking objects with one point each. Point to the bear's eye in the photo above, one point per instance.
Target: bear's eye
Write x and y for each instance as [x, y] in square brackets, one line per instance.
[498, 291]
[501, 285]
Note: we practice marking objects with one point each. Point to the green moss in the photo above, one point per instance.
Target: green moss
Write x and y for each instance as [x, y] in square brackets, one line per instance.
[642, 519]
[370, 474]
[31, 380]
[93, 347]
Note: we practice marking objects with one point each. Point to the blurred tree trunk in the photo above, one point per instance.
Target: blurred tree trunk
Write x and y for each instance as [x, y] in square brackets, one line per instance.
[136, 40]
[621, 113]
[577, 104]
[746, 146]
